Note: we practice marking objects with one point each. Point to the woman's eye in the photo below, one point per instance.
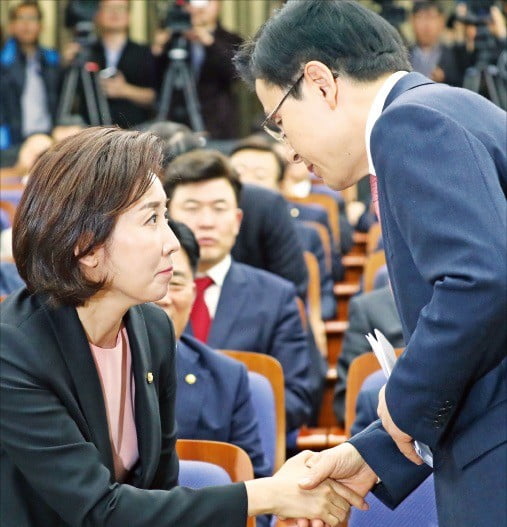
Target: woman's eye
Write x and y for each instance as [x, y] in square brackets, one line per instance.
[153, 219]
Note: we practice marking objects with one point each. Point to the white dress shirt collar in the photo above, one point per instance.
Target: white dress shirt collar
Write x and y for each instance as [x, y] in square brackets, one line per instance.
[218, 272]
[376, 109]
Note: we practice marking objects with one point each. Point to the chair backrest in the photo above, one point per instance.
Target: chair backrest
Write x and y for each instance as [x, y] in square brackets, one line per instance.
[9, 208]
[270, 368]
[314, 301]
[360, 368]
[417, 510]
[233, 464]
[331, 207]
[325, 240]
[374, 262]
[374, 234]
[263, 400]
[199, 474]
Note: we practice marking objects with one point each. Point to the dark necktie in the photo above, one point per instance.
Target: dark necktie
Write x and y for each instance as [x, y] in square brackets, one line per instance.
[200, 317]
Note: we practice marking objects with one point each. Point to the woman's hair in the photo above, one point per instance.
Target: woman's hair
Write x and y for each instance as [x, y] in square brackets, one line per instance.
[76, 192]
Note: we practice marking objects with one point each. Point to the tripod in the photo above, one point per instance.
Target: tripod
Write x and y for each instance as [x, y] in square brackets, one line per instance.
[179, 77]
[487, 75]
[96, 102]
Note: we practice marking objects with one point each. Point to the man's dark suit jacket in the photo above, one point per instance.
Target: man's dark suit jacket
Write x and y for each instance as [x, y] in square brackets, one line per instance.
[310, 241]
[440, 161]
[216, 405]
[368, 311]
[257, 311]
[214, 85]
[267, 237]
[56, 461]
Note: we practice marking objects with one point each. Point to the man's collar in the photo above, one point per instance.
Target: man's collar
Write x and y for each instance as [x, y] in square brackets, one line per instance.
[219, 271]
[376, 110]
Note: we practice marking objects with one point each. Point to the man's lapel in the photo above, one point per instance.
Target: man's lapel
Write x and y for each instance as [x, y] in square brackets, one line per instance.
[232, 298]
[193, 383]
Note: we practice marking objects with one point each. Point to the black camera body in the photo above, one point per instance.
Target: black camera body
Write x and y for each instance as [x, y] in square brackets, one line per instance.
[178, 18]
[478, 13]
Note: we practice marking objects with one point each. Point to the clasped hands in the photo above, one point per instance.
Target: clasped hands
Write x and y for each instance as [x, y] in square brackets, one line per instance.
[332, 480]
[323, 485]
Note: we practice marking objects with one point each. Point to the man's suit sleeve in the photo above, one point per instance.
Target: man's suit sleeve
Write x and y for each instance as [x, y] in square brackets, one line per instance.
[354, 344]
[443, 190]
[65, 471]
[399, 476]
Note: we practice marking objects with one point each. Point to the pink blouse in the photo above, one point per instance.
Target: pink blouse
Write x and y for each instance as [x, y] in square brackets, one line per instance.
[114, 366]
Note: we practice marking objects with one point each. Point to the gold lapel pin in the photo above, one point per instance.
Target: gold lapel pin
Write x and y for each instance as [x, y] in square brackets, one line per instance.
[190, 378]
[149, 377]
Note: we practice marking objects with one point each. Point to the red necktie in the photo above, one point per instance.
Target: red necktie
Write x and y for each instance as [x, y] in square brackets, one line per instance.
[199, 317]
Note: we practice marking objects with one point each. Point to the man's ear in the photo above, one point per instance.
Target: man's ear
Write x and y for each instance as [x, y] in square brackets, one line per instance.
[320, 78]
[239, 219]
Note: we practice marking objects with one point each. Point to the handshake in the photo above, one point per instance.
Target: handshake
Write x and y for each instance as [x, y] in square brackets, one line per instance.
[314, 489]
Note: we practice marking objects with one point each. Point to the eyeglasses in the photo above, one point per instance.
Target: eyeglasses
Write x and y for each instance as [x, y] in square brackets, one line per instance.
[269, 125]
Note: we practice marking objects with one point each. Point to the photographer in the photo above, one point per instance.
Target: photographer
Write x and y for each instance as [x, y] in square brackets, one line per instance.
[210, 48]
[127, 76]
[478, 37]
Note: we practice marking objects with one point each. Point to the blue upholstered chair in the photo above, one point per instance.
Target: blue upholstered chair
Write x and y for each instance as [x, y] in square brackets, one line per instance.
[417, 510]
[198, 474]
[263, 401]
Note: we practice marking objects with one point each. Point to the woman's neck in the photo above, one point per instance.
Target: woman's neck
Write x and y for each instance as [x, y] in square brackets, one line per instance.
[101, 319]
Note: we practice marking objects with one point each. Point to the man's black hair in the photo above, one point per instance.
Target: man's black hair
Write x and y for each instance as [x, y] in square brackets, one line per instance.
[188, 243]
[259, 144]
[348, 38]
[197, 166]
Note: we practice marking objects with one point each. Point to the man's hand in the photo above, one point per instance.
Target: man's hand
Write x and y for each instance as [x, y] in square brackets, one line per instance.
[403, 441]
[115, 87]
[200, 34]
[344, 464]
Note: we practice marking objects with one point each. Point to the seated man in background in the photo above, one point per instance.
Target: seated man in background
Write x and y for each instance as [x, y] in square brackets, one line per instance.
[367, 311]
[237, 306]
[213, 398]
[30, 78]
[258, 163]
[267, 237]
[128, 79]
[297, 181]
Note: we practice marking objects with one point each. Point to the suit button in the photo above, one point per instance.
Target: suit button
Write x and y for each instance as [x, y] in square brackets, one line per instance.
[294, 212]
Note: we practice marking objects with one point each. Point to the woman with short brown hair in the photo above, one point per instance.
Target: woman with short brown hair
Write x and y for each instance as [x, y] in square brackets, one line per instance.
[87, 383]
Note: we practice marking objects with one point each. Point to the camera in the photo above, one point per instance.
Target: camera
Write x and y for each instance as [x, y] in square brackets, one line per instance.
[478, 13]
[178, 18]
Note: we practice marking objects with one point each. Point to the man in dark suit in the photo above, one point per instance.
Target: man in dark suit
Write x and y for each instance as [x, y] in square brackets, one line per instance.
[349, 108]
[210, 50]
[237, 306]
[213, 399]
[258, 164]
[367, 312]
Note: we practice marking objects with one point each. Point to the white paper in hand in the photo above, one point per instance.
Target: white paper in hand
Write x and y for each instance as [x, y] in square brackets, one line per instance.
[386, 356]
